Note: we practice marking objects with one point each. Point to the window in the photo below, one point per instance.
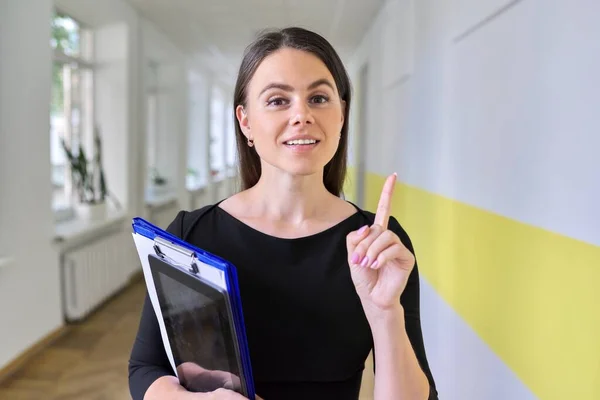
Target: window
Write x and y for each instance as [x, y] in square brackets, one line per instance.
[152, 126]
[71, 106]
[231, 142]
[197, 132]
[217, 133]
[152, 130]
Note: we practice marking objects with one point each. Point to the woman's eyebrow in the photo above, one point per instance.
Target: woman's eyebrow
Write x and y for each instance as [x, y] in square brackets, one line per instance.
[288, 88]
[320, 82]
[282, 86]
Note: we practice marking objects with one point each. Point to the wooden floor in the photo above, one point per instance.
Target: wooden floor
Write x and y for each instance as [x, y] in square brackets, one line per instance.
[90, 361]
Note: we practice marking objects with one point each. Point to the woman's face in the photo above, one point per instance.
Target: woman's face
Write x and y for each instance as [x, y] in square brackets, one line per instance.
[293, 112]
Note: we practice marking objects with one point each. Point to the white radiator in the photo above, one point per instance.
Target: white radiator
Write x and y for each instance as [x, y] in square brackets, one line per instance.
[95, 271]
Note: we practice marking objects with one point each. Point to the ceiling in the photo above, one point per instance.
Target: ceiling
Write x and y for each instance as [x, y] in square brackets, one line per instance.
[215, 32]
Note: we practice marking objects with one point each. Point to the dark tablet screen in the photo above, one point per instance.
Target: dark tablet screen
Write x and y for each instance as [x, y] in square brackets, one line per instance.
[199, 328]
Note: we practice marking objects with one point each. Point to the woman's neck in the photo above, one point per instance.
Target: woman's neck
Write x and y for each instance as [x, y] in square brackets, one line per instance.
[294, 199]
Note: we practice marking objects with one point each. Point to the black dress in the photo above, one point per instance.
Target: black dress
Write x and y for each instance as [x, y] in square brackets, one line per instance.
[306, 329]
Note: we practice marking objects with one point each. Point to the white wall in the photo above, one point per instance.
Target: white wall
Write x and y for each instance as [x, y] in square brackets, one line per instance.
[493, 104]
[506, 109]
[405, 88]
[535, 129]
[30, 306]
[30, 292]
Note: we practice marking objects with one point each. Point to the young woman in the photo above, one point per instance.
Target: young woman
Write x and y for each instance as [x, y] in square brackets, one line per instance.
[322, 281]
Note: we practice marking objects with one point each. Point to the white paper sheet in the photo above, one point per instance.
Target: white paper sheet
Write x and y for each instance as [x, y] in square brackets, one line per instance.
[144, 247]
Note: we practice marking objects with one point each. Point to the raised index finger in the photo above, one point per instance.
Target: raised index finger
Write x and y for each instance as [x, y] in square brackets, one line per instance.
[382, 215]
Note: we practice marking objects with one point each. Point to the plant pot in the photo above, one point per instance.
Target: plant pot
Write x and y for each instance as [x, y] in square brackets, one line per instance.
[91, 212]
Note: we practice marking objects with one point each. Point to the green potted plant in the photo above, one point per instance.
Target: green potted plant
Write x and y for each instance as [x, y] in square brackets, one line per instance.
[156, 178]
[88, 179]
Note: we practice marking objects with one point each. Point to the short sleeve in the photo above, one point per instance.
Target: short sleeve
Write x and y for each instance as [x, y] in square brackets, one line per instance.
[410, 300]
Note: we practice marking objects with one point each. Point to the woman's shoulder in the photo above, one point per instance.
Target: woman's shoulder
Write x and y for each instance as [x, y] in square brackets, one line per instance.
[185, 219]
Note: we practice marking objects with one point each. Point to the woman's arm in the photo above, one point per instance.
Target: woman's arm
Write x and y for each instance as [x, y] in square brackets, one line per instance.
[148, 361]
[398, 373]
[398, 339]
[150, 374]
[385, 274]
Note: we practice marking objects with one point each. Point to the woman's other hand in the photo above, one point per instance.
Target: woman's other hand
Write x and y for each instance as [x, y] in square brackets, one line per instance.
[379, 263]
[219, 394]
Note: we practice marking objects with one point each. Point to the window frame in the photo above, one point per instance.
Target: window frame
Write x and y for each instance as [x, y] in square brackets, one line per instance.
[218, 136]
[198, 138]
[81, 64]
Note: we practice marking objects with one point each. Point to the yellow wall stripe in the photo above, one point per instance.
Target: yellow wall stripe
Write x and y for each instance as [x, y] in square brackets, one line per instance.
[532, 295]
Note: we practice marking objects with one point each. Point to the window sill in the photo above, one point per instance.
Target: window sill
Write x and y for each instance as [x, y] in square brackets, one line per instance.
[158, 200]
[224, 175]
[63, 214]
[195, 184]
[196, 189]
[73, 232]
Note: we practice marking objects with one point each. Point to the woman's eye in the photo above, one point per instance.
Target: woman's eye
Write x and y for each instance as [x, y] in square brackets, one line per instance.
[278, 101]
[320, 99]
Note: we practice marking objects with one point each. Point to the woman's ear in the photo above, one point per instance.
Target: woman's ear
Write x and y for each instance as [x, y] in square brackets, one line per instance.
[242, 118]
[343, 111]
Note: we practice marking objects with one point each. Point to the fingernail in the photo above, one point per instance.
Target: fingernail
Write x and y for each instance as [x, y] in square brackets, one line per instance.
[364, 262]
[374, 265]
[355, 258]
[362, 230]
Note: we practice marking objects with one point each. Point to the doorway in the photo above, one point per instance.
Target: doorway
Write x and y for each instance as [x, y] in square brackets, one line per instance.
[361, 139]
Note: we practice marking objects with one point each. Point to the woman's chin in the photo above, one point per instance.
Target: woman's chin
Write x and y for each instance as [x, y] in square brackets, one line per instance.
[310, 166]
[303, 171]
[306, 166]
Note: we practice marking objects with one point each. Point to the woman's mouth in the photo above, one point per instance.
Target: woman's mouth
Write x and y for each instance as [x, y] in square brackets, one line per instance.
[301, 142]
[301, 145]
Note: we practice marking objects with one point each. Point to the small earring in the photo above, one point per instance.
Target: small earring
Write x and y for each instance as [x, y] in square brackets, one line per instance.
[250, 142]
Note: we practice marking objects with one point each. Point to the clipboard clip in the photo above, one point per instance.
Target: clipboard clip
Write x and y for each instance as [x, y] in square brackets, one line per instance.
[193, 266]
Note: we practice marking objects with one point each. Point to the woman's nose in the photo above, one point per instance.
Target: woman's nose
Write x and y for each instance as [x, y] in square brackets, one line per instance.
[301, 115]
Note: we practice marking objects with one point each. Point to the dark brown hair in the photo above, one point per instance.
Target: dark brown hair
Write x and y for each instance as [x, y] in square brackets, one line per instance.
[305, 40]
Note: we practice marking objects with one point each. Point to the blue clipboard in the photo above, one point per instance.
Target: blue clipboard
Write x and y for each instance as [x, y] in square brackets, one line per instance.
[202, 266]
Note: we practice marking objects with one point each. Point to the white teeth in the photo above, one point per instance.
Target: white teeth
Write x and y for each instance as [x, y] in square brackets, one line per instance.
[301, 141]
